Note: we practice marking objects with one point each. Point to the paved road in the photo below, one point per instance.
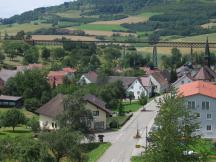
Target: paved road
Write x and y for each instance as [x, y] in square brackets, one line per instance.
[123, 142]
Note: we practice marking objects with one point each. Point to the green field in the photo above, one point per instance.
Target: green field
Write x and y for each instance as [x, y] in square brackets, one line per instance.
[28, 27]
[148, 14]
[198, 38]
[70, 14]
[101, 27]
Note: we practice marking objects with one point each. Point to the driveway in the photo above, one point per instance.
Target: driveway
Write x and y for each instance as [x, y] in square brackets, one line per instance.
[123, 141]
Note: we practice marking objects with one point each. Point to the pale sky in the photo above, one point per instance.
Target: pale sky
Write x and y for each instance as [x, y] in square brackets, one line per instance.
[11, 7]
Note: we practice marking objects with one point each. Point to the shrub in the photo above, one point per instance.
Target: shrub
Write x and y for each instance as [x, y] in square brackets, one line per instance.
[114, 124]
[33, 123]
[31, 104]
[143, 99]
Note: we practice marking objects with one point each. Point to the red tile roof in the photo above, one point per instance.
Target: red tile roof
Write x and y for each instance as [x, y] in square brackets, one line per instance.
[146, 81]
[69, 70]
[56, 77]
[198, 87]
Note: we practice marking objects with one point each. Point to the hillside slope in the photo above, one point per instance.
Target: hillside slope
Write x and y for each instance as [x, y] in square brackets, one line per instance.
[140, 17]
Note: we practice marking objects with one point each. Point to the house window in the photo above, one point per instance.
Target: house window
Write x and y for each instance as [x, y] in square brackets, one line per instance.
[132, 87]
[208, 127]
[182, 82]
[95, 113]
[191, 104]
[205, 105]
[138, 93]
[53, 125]
[209, 116]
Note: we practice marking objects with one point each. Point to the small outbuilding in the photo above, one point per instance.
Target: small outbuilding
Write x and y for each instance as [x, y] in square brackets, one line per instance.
[11, 101]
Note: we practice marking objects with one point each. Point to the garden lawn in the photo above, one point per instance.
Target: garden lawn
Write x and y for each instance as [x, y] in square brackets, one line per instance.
[19, 131]
[96, 150]
[134, 106]
[101, 27]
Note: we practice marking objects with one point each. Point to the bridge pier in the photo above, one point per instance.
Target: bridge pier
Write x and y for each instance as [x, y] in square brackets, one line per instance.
[154, 57]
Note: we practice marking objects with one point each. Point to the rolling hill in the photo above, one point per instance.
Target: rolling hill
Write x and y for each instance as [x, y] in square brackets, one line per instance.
[118, 19]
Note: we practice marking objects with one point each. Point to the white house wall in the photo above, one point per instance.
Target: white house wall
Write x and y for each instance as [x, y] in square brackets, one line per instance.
[83, 78]
[203, 114]
[137, 88]
[46, 123]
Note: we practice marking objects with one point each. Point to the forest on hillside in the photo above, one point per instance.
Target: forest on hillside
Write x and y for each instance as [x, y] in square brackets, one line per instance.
[182, 18]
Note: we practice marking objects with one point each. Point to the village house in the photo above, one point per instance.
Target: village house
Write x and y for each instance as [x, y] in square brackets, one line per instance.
[10, 101]
[147, 84]
[160, 82]
[200, 98]
[56, 78]
[49, 112]
[187, 78]
[205, 74]
[88, 78]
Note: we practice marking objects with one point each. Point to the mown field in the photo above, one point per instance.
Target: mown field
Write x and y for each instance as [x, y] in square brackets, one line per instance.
[198, 38]
[14, 28]
[131, 19]
[52, 37]
[101, 27]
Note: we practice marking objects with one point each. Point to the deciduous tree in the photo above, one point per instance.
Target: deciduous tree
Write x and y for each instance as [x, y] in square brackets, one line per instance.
[12, 118]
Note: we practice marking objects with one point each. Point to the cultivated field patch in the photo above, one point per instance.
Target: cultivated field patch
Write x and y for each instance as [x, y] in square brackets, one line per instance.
[101, 27]
[27, 27]
[53, 37]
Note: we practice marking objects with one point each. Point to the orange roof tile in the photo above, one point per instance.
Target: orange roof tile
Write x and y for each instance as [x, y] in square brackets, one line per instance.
[69, 70]
[56, 73]
[198, 87]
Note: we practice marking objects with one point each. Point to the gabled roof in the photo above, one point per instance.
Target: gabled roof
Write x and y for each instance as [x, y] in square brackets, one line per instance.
[127, 81]
[92, 76]
[185, 75]
[205, 74]
[97, 102]
[7, 74]
[160, 78]
[145, 81]
[198, 87]
[55, 106]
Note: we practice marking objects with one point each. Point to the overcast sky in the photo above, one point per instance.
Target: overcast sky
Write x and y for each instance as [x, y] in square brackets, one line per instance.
[11, 7]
